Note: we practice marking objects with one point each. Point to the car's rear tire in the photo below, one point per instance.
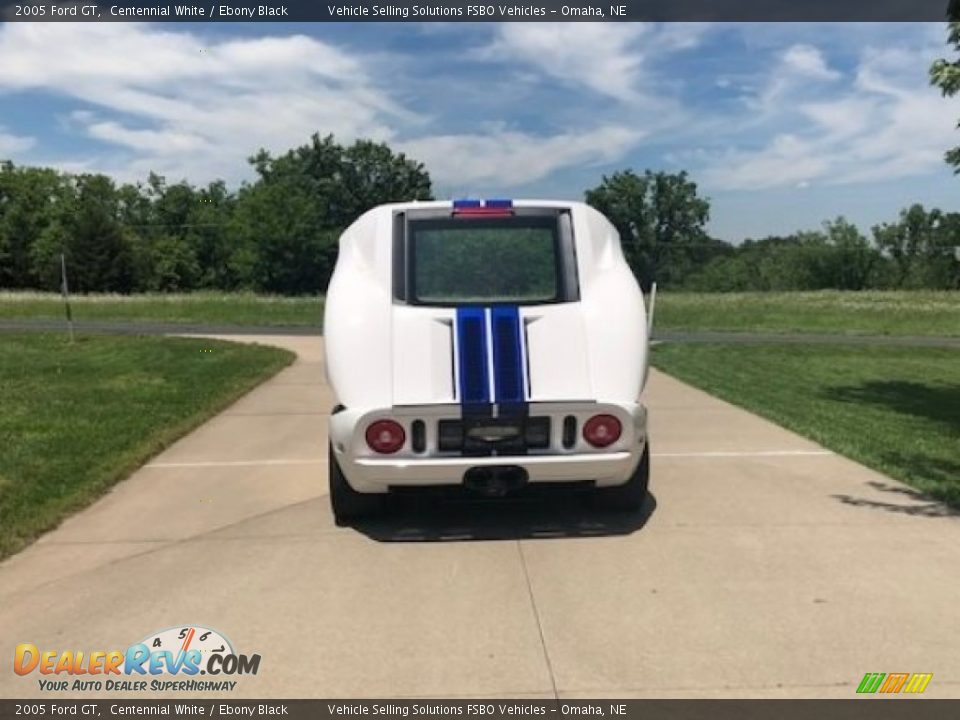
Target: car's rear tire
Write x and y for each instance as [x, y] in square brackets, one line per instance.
[347, 504]
[630, 496]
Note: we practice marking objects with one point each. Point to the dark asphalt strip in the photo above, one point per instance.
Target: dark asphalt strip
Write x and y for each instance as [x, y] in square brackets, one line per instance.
[157, 328]
[746, 338]
[671, 336]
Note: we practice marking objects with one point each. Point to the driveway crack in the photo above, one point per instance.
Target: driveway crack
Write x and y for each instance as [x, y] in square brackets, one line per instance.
[536, 615]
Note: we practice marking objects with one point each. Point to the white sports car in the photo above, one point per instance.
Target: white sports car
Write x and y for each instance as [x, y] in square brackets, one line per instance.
[485, 345]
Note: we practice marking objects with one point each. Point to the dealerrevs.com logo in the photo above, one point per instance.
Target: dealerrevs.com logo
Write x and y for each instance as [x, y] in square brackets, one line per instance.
[168, 660]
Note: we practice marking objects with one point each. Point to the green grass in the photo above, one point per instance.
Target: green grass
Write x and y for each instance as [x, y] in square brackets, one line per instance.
[894, 409]
[828, 311]
[76, 418]
[212, 308]
[868, 313]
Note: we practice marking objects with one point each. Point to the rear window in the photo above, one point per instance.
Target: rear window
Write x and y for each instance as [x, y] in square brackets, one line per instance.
[481, 261]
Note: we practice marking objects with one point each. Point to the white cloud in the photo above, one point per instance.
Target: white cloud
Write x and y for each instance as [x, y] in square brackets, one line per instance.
[808, 61]
[509, 159]
[147, 140]
[604, 57]
[884, 122]
[186, 106]
[786, 161]
[797, 74]
[191, 107]
[609, 59]
[842, 117]
[142, 55]
[682, 35]
[10, 144]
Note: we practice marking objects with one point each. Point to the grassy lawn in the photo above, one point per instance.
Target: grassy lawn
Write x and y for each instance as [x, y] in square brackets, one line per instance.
[871, 313]
[75, 419]
[828, 311]
[213, 308]
[894, 409]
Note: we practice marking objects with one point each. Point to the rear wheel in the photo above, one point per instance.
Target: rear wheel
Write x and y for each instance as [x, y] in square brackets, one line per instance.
[628, 497]
[347, 504]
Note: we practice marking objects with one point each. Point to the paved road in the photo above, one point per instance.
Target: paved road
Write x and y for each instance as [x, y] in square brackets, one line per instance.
[763, 566]
[156, 328]
[755, 338]
[674, 336]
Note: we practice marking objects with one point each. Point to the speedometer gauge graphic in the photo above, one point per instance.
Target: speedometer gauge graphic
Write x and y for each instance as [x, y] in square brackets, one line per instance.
[192, 637]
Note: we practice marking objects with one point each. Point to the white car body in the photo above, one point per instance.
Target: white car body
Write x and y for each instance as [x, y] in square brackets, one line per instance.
[580, 355]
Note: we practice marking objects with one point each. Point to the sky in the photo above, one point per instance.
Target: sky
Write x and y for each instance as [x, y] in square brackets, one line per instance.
[782, 126]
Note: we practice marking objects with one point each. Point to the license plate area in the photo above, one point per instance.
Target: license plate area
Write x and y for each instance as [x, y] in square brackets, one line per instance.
[490, 435]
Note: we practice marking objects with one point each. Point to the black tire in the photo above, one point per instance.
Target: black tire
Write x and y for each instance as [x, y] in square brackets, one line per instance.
[347, 504]
[630, 496]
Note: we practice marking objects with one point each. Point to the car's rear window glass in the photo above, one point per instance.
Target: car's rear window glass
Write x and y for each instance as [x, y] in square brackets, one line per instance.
[456, 261]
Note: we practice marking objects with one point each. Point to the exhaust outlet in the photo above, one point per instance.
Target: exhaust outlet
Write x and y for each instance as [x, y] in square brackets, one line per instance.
[495, 480]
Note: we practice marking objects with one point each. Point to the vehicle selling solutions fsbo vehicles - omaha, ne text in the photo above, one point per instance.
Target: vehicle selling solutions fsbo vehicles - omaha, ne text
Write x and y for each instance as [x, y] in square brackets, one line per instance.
[485, 345]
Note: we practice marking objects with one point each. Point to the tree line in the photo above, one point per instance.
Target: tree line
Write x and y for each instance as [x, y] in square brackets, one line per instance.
[661, 219]
[278, 234]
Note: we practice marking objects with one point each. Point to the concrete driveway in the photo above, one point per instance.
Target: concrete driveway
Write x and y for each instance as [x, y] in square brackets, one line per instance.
[763, 566]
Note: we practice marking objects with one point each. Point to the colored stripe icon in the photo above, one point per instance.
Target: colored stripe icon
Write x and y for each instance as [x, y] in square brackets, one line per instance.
[891, 683]
[918, 682]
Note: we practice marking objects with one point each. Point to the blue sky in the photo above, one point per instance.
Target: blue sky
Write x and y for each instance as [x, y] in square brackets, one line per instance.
[782, 126]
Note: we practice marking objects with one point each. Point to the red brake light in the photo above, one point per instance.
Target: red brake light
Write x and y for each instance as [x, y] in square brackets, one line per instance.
[385, 436]
[482, 212]
[601, 430]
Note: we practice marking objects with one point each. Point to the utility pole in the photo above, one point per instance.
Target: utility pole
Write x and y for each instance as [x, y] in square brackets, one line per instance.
[66, 294]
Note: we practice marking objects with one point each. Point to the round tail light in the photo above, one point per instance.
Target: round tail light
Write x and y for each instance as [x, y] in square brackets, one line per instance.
[601, 430]
[385, 436]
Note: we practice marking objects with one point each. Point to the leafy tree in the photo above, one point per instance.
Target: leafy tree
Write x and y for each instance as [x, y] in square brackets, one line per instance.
[189, 223]
[945, 74]
[838, 256]
[172, 204]
[207, 232]
[945, 273]
[288, 221]
[921, 246]
[280, 238]
[29, 201]
[661, 222]
[88, 231]
[851, 260]
[136, 215]
[174, 265]
[347, 181]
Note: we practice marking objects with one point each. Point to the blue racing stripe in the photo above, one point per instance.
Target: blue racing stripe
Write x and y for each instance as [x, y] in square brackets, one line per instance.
[507, 355]
[472, 356]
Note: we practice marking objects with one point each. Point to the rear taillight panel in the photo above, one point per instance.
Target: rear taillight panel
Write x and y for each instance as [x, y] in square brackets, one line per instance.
[602, 430]
[497, 434]
[385, 436]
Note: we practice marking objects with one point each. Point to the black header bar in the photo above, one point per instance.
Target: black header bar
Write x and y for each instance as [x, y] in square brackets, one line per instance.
[440, 11]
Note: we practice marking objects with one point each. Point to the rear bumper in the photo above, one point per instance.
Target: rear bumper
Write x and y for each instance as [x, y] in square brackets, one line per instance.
[379, 475]
[372, 473]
